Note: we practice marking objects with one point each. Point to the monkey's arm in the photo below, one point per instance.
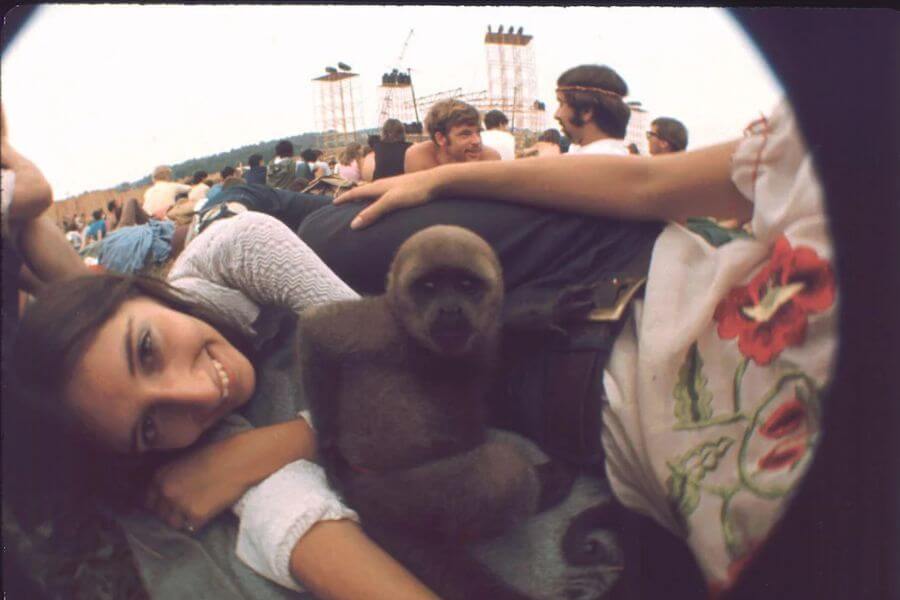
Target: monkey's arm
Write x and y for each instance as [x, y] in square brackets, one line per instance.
[319, 374]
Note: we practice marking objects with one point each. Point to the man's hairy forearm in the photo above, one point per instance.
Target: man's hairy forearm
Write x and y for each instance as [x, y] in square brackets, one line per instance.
[660, 188]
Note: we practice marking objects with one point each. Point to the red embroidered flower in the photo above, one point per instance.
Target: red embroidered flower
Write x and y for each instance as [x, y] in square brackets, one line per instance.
[769, 313]
[785, 420]
[737, 566]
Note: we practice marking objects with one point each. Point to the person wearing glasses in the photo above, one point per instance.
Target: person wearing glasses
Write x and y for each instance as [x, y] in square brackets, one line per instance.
[667, 135]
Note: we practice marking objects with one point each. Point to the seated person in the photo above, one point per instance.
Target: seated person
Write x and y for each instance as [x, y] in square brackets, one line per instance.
[282, 168]
[592, 110]
[388, 153]
[215, 190]
[257, 171]
[160, 196]
[548, 144]
[667, 135]
[455, 131]
[96, 230]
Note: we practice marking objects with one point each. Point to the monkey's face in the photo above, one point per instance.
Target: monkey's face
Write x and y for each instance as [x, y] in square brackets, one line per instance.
[446, 289]
[451, 309]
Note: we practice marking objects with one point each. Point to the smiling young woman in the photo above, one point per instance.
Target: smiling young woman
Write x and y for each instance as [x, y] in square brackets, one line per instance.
[157, 399]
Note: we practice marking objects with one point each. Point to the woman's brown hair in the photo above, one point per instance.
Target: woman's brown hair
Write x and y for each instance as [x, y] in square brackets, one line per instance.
[53, 334]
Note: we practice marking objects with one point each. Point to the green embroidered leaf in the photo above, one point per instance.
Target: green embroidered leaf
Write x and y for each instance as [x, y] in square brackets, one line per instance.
[693, 402]
[713, 233]
[684, 493]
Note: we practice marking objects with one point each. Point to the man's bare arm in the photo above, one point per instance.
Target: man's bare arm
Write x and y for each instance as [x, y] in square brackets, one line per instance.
[671, 187]
[419, 157]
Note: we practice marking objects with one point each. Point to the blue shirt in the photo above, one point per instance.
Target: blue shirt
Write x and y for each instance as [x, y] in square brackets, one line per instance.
[94, 229]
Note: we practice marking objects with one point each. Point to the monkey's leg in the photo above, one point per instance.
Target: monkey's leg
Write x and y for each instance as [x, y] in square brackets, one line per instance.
[446, 568]
[470, 495]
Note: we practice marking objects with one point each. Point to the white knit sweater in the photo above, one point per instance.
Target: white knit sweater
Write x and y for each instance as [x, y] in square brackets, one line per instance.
[234, 267]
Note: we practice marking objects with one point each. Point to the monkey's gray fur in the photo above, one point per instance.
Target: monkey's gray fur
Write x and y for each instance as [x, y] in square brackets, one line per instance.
[397, 387]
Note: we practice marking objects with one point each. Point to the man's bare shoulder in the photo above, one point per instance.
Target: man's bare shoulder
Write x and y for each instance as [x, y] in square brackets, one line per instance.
[420, 156]
[489, 153]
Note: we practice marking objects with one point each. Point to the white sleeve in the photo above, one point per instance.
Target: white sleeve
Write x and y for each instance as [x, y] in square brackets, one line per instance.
[259, 256]
[279, 511]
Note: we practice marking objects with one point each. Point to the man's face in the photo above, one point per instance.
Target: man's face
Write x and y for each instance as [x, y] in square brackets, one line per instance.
[656, 144]
[568, 120]
[462, 143]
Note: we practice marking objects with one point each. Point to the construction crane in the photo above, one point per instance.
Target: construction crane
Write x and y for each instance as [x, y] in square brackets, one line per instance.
[387, 102]
[403, 50]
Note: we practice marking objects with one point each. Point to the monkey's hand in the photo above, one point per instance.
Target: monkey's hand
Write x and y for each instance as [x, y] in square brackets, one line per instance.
[390, 194]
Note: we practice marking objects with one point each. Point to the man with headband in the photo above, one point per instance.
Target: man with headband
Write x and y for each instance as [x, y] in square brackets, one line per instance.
[592, 109]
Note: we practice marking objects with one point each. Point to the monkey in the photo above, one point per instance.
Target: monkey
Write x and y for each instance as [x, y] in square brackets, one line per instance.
[396, 386]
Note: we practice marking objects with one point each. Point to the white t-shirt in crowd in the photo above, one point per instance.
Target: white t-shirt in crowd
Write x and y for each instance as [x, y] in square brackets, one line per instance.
[501, 141]
[604, 146]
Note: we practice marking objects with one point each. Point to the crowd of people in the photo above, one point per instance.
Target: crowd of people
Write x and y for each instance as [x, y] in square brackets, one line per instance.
[704, 408]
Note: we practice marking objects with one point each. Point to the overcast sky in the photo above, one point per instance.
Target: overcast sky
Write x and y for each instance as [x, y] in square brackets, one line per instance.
[100, 94]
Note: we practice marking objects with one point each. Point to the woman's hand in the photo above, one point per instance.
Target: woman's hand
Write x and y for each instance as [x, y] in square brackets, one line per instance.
[188, 492]
[391, 194]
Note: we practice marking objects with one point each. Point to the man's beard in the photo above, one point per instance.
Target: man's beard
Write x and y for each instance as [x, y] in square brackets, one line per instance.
[463, 155]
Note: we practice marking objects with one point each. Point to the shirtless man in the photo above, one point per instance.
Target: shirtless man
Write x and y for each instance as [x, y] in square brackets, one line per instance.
[455, 130]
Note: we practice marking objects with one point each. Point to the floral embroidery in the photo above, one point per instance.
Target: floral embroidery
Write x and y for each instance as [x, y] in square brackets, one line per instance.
[770, 313]
[693, 401]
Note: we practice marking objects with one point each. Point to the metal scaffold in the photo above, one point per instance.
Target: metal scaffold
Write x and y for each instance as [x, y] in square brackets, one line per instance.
[396, 96]
[638, 125]
[512, 78]
[338, 106]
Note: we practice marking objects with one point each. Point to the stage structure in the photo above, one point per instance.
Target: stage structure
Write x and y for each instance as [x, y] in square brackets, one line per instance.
[396, 95]
[338, 106]
[638, 124]
[512, 78]
[395, 98]
[477, 99]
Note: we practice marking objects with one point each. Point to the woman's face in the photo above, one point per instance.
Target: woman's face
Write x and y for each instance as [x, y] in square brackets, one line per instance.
[154, 378]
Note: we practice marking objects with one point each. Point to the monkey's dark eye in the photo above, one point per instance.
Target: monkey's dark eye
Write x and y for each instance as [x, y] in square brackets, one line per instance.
[590, 547]
[468, 285]
[426, 285]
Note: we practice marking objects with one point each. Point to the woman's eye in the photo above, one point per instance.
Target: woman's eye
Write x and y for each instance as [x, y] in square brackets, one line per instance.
[149, 432]
[145, 349]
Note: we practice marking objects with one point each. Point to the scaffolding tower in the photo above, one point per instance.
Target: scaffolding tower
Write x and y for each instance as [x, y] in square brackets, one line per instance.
[638, 124]
[512, 78]
[395, 98]
[338, 107]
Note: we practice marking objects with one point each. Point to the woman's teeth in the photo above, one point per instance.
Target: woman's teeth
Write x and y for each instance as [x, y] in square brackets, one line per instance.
[223, 377]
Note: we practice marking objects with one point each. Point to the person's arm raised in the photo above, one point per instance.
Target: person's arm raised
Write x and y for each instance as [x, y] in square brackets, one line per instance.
[673, 187]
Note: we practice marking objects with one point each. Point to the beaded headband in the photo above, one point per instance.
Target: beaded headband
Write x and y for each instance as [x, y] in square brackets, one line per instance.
[584, 88]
